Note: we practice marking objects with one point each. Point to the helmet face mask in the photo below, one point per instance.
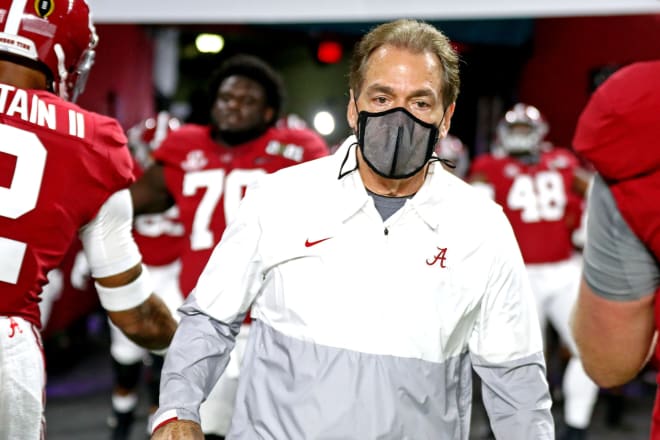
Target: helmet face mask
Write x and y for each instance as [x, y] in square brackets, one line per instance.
[77, 80]
[58, 35]
[147, 135]
[521, 130]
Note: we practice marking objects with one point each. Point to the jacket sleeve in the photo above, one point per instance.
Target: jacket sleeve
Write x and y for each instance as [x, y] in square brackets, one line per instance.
[506, 347]
[211, 318]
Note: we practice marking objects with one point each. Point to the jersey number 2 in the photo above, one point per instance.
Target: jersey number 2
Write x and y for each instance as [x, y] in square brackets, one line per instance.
[21, 196]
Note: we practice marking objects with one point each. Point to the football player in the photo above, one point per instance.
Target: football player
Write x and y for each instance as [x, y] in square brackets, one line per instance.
[616, 317]
[63, 171]
[541, 189]
[205, 170]
[160, 238]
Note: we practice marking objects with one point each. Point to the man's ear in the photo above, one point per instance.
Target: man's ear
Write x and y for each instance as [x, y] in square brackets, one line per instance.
[446, 120]
[351, 111]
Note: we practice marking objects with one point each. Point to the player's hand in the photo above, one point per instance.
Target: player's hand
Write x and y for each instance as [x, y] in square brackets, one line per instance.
[179, 430]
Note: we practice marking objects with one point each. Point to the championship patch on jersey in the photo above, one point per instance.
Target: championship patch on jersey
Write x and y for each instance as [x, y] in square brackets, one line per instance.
[44, 8]
[511, 170]
[195, 160]
[289, 151]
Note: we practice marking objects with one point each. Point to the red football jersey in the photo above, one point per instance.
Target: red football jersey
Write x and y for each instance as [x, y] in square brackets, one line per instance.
[618, 133]
[160, 237]
[208, 181]
[58, 165]
[537, 199]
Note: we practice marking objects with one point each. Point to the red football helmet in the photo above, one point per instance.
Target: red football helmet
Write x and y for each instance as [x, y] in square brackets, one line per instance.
[58, 35]
[521, 130]
[147, 135]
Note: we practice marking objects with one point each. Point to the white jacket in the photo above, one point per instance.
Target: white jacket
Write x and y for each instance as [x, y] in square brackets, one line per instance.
[367, 329]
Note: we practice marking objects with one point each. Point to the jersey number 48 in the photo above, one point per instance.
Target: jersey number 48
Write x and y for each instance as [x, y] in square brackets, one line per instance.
[539, 197]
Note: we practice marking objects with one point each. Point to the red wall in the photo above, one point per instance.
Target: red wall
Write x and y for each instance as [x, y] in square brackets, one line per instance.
[120, 83]
[556, 79]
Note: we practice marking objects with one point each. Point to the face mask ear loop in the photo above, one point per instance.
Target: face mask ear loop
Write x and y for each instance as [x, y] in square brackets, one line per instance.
[357, 112]
[450, 163]
[343, 173]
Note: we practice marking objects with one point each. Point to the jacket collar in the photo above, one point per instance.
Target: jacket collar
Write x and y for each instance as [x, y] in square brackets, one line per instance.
[430, 200]
[353, 195]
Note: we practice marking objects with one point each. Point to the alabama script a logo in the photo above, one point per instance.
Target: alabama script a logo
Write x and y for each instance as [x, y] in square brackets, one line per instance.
[439, 257]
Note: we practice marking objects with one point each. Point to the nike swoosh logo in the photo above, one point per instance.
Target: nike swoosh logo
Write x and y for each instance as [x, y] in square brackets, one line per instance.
[313, 243]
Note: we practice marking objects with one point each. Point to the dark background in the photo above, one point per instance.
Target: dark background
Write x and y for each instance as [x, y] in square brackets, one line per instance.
[552, 63]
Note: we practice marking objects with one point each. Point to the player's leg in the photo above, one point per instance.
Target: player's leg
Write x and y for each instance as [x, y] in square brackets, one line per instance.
[22, 380]
[537, 275]
[127, 360]
[580, 392]
[153, 380]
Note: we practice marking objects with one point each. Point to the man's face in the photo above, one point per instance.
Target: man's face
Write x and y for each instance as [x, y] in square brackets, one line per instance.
[399, 78]
[240, 105]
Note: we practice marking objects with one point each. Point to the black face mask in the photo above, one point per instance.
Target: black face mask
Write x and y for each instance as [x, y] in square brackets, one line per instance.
[394, 143]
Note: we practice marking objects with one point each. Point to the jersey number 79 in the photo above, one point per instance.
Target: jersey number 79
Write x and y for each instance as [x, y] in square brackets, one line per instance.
[201, 236]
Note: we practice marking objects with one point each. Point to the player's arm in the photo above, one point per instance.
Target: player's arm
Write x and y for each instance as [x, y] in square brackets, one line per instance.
[149, 323]
[613, 319]
[122, 283]
[614, 338]
[581, 181]
[149, 193]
